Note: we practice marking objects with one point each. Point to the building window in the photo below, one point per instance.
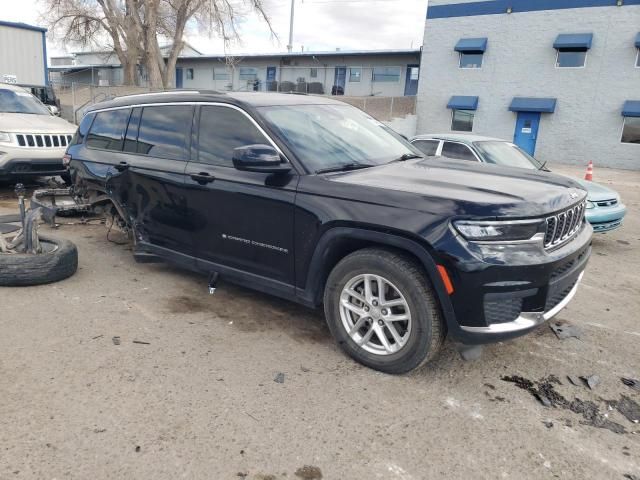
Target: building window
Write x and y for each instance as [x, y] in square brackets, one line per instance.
[314, 73]
[471, 59]
[354, 74]
[414, 74]
[638, 58]
[386, 74]
[462, 120]
[248, 73]
[631, 130]
[221, 74]
[189, 73]
[571, 58]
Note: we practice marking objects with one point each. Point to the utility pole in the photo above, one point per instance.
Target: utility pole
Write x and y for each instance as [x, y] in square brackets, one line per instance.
[290, 46]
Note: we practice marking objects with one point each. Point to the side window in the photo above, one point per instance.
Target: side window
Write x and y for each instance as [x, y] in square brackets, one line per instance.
[428, 147]
[83, 129]
[107, 130]
[165, 130]
[459, 151]
[221, 130]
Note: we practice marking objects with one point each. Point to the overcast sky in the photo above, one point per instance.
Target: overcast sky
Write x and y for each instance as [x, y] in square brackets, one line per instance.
[319, 25]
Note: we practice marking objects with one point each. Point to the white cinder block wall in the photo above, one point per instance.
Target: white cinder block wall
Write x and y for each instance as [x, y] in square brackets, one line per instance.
[520, 61]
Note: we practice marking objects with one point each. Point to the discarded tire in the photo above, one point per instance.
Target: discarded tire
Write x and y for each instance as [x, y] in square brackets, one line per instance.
[58, 261]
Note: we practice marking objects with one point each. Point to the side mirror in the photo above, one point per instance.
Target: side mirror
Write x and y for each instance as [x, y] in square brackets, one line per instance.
[259, 158]
[54, 110]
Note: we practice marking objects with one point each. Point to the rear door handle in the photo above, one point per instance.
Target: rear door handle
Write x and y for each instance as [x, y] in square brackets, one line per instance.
[203, 178]
[122, 166]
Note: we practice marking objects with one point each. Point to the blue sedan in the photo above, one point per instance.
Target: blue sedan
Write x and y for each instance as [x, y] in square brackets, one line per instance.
[605, 210]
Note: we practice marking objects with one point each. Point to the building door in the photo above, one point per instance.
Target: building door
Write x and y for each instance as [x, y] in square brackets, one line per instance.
[271, 79]
[178, 78]
[527, 131]
[339, 81]
[411, 83]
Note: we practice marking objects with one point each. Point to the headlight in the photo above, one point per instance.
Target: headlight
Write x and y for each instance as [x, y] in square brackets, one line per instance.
[499, 231]
[590, 205]
[5, 137]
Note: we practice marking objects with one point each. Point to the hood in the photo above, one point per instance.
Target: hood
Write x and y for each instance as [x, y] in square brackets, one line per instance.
[597, 192]
[474, 188]
[28, 123]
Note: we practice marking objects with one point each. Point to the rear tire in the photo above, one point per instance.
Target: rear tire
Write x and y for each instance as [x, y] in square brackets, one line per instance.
[407, 333]
[19, 270]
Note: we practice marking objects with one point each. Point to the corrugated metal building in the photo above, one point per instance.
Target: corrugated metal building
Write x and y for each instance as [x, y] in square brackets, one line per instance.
[23, 54]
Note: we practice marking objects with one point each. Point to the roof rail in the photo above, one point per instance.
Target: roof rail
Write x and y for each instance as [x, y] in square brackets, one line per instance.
[172, 92]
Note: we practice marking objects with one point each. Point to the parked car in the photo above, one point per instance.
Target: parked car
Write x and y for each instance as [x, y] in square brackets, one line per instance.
[313, 200]
[605, 210]
[32, 140]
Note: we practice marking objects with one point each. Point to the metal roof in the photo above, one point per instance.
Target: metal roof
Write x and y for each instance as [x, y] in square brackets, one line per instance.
[23, 26]
[330, 53]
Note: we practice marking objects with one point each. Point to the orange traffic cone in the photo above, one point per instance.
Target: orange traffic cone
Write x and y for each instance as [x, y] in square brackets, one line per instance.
[589, 174]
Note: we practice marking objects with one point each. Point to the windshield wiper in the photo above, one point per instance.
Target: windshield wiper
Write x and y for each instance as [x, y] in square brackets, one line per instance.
[406, 156]
[542, 167]
[345, 167]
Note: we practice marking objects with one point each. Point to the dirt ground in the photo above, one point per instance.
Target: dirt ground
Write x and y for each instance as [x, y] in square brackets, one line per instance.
[199, 401]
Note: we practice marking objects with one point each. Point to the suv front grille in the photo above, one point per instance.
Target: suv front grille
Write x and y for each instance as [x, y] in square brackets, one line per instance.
[563, 226]
[43, 140]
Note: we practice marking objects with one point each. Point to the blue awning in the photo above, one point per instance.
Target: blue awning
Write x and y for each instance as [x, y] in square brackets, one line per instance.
[631, 108]
[527, 104]
[573, 41]
[638, 40]
[471, 45]
[458, 102]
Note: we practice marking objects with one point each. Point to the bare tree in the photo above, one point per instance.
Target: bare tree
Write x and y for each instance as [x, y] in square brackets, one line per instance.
[132, 28]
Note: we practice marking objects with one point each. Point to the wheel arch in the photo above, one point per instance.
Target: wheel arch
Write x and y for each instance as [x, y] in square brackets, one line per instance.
[338, 242]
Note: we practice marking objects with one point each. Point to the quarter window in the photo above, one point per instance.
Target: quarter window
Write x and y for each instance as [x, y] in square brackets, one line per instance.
[568, 58]
[428, 147]
[108, 129]
[458, 151]
[222, 129]
[354, 74]
[164, 131]
[83, 129]
[631, 130]
[462, 120]
[471, 59]
[386, 74]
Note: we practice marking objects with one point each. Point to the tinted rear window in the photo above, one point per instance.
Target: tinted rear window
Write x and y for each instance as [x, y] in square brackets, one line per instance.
[165, 130]
[428, 147]
[107, 130]
[83, 129]
[457, 150]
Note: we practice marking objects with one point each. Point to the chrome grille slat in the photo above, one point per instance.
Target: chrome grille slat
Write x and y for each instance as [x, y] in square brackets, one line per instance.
[564, 225]
[43, 140]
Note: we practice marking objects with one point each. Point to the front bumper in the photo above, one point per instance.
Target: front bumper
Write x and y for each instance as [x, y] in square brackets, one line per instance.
[505, 291]
[19, 167]
[605, 219]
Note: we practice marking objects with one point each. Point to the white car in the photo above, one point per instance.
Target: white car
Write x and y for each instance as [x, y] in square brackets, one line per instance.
[32, 139]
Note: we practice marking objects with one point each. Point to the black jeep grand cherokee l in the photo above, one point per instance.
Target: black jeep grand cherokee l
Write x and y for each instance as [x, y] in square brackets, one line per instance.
[312, 200]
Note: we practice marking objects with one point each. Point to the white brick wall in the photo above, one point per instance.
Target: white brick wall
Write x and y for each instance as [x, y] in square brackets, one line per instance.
[520, 61]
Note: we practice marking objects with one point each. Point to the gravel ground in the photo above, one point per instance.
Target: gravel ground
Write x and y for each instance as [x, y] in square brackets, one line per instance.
[200, 401]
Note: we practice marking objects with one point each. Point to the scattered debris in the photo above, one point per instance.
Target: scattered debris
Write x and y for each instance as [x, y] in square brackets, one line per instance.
[488, 385]
[548, 424]
[629, 408]
[138, 448]
[140, 342]
[564, 330]
[470, 353]
[544, 391]
[575, 380]
[630, 382]
[116, 340]
[630, 476]
[279, 378]
[309, 472]
[242, 474]
[97, 337]
[592, 381]
[305, 369]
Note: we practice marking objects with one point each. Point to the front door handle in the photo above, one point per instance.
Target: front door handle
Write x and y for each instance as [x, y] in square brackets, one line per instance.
[122, 166]
[203, 178]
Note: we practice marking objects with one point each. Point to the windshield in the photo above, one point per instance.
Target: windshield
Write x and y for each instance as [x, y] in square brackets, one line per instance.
[21, 102]
[328, 136]
[507, 154]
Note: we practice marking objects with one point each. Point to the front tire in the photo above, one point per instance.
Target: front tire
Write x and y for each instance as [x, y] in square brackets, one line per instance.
[382, 310]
